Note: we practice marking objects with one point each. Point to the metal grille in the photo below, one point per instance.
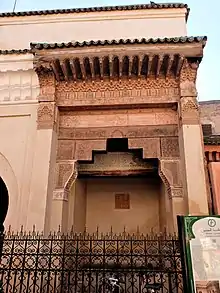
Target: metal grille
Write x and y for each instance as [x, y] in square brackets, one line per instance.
[78, 263]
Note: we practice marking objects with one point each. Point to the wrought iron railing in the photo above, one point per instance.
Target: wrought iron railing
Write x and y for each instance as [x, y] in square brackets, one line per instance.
[79, 262]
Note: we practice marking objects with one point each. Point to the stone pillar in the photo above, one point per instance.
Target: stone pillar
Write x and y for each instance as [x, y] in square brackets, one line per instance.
[173, 201]
[191, 142]
[42, 183]
[66, 175]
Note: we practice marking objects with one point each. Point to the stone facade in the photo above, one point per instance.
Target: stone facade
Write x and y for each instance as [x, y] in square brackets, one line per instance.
[66, 102]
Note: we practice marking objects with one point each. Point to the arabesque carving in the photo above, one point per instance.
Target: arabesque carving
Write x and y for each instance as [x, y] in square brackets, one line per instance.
[119, 117]
[189, 110]
[116, 162]
[150, 146]
[66, 175]
[189, 71]
[169, 147]
[188, 89]
[47, 115]
[66, 149]
[47, 87]
[117, 132]
[84, 149]
[117, 92]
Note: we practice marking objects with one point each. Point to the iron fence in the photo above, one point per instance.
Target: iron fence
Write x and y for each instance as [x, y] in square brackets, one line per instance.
[81, 262]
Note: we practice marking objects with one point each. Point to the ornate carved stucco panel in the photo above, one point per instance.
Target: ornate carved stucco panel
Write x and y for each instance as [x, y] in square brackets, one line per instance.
[84, 149]
[47, 86]
[169, 147]
[189, 111]
[47, 115]
[133, 91]
[71, 133]
[66, 174]
[116, 161]
[150, 146]
[114, 118]
[170, 173]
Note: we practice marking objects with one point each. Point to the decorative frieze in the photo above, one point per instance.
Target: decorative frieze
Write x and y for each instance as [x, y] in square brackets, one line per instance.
[118, 132]
[118, 118]
[133, 91]
[115, 162]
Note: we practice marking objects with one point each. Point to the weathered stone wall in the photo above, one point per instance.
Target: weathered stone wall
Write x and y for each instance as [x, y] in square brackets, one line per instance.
[210, 114]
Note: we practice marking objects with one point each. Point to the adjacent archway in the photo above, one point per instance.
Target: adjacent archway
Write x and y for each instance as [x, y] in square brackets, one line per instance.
[4, 201]
[8, 176]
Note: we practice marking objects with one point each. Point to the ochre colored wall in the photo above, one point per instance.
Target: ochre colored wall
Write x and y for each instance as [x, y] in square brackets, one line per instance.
[144, 205]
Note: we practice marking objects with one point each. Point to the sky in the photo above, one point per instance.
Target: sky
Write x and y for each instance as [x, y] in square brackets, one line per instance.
[204, 19]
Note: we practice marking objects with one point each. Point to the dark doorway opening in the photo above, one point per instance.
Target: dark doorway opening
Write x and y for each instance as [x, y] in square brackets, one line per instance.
[4, 201]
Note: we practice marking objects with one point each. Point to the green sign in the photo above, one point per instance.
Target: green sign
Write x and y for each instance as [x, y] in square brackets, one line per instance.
[200, 238]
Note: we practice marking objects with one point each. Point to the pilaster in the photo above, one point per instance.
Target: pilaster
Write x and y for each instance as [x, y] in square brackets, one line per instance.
[45, 155]
[191, 144]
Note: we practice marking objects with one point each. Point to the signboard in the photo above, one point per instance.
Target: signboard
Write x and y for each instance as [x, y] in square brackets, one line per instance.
[200, 239]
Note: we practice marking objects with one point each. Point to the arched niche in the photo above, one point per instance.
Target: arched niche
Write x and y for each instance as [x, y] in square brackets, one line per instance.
[10, 182]
[4, 201]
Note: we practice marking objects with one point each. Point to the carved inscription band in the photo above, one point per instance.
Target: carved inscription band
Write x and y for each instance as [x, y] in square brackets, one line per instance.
[117, 132]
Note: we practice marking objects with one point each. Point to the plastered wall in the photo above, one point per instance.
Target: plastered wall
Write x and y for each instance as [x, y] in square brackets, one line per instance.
[144, 205]
[149, 23]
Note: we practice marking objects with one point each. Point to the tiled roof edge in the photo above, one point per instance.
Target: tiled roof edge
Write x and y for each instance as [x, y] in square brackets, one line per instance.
[212, 140]
[13, 51]
[41, 46]
[98, 9]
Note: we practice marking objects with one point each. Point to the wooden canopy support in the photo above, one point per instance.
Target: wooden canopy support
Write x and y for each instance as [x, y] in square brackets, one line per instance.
[90, 68]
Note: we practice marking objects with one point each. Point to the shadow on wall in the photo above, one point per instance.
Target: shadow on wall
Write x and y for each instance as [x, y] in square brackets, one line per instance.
[3, 201]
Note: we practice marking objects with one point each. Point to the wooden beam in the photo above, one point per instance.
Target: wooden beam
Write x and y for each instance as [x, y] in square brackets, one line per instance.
[91, 63]
[111, 65]
[101, 59]
[149, 63]
[159, 64]
[140, 59]
[55, 69]
[73, 70]
[64, 65]
[82, 67]
[179, 65]
[130, 66]
[169, 65]
[120, 58]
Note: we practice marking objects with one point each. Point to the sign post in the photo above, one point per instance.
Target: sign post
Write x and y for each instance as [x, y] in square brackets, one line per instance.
[200, 244]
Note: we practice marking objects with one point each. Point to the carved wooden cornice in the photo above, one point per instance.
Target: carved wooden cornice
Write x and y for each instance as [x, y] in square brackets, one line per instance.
[115, 60]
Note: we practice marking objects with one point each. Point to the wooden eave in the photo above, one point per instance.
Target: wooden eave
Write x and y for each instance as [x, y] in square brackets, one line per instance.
[111, 59]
